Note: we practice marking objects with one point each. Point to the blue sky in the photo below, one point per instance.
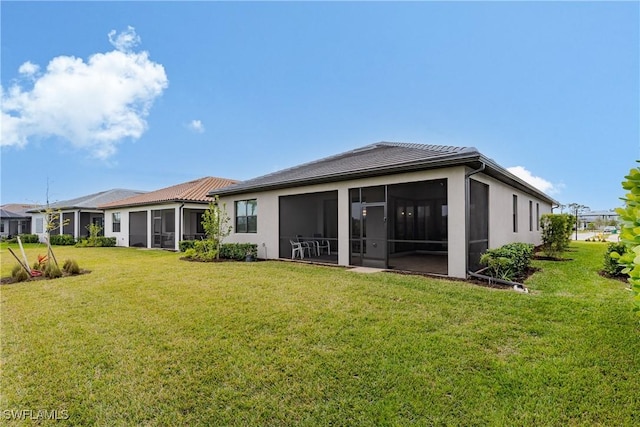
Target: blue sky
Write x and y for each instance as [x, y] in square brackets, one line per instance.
[143, 95]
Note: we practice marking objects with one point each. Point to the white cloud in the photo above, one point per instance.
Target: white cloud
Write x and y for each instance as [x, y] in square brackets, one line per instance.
[94, 105]
[196, 126]
[28, 68]
[126, 40]
[538, 182]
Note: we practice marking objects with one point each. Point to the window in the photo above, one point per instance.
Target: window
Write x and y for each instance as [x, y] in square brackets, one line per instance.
[1, 226]
[530, 215]
[515, 213]
[537, 216]
[116, 222]
[39, 225]
[247, 216]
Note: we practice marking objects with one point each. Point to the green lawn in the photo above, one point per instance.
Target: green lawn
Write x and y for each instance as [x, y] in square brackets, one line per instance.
[147, 339]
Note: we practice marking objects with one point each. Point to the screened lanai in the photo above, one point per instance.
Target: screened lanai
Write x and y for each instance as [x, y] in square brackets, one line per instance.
[401, 226]
[310, 219]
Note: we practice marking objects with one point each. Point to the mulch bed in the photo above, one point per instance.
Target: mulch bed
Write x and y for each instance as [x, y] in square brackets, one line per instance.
[10, 280]
[550, 258]
[621, 278]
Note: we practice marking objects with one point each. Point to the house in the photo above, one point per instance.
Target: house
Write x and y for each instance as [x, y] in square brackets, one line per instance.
[599, 219]
[154, 219]
[14, 220]
[75, 215]
[426, 208]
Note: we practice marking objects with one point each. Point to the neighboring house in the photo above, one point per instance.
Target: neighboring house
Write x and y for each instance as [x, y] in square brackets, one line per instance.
[75, 215]
[598, 218]
[161, 218]
[426, 208]
[14, 220]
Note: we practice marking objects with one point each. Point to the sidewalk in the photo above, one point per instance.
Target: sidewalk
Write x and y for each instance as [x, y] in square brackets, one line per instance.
[584, 235]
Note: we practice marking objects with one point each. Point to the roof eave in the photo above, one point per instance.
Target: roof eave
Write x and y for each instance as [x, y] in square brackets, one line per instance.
[496, 171]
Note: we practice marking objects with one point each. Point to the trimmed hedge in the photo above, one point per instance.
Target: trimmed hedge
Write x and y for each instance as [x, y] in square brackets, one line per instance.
[29, 238]
[62, 239]
[98, 242]
[508, 262]
[238, 251]
[202, 250]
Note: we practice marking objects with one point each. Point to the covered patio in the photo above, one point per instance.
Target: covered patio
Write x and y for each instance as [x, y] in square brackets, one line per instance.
[309, 222]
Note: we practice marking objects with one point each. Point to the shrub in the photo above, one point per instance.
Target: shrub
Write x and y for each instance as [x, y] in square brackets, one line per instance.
[70, 266]
[186, 244]
[508, 262]
[556, 233]
[611, 265]
[205, 250]
[29, 238]
[106, 242]
[94, 232]
[52, 271]
[630, 232]
[190, 253]
[19, 274]
[62, 239]
[99, 241]
[238, 251]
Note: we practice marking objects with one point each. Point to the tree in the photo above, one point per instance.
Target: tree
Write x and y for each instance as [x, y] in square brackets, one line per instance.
[556, 233]
[215, 222]
[630, 232]
[576, 209]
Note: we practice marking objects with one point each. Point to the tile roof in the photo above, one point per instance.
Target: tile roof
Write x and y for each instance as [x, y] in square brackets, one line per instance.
[381, 158]
[370, 160]
[192, 191]
[91, 201]
[18, 209]
[6, 214]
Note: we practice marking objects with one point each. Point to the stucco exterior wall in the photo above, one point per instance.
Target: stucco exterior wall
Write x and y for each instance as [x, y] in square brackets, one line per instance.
[501, 214]
[122, 237]
[267, 236]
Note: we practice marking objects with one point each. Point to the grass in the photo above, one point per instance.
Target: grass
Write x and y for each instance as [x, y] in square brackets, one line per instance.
[147, 339]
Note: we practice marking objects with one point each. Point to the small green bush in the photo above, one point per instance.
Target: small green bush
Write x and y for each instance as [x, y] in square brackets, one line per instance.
[99, 241]
[238, 251]
[611, 265]
[18, 274]
[52, 271]
[190, 253]
[205, 250]
[62, 239]
[186, 244]
[29, 238]
[508, 262]
[70, 266]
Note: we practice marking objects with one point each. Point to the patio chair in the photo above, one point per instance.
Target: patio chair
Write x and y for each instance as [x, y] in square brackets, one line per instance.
[296, 249]
[307, 245]
[322, 244]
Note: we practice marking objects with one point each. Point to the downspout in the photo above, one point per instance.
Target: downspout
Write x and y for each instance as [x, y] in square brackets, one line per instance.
[179, 236]
[467, 213]
[77, 225]
[516, 286]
